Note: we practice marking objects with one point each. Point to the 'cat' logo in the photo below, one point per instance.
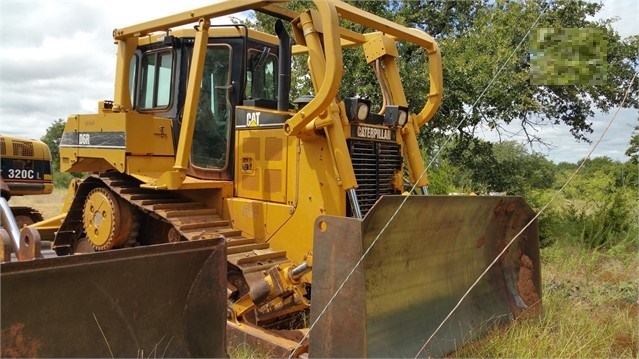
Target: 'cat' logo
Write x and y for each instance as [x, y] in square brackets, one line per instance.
[253, 119]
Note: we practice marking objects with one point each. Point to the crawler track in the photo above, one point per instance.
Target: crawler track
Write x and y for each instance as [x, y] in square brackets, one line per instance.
[188, 220]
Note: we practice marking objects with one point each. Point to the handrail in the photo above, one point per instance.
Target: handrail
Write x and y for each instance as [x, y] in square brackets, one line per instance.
[330, 11]
[333, 71]
[415, 36]
[187, 17]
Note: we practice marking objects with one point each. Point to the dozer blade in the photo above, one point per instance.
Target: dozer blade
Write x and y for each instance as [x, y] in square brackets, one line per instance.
[429, 255]
[164, 300]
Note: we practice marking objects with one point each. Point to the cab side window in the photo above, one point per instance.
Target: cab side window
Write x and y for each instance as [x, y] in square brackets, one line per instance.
[261, 75]
[155, 80]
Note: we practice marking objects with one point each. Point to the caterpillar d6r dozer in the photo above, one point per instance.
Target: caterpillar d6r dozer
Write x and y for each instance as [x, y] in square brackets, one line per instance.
[286, 223]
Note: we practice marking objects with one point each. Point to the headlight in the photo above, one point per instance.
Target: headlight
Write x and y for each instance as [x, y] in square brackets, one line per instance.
[357, 109]
[403, 118]
[396, 116]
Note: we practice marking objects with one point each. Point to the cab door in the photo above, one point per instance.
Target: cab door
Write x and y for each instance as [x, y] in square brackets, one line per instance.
[211, 146]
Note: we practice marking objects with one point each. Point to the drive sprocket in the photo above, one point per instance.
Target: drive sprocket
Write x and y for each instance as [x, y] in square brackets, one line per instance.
[109, 222]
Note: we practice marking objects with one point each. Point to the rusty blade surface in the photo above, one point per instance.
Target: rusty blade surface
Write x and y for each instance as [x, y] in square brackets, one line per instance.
[421, 265]
[155, 301]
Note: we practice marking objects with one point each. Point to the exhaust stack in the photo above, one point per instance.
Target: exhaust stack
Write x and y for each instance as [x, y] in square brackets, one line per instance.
[284, 64]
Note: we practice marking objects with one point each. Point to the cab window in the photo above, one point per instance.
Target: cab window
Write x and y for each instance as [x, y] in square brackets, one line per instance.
[210, 138]
[261, 75]
[156, 75]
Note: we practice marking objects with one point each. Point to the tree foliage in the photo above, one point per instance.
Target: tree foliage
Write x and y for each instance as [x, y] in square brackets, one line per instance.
[486, 56]
[485, 41]
[633, 148]
[506, 167]
[52, 138]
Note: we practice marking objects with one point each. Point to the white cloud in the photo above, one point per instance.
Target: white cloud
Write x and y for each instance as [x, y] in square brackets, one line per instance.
[57, 57]
[627, 12]
[562, 147]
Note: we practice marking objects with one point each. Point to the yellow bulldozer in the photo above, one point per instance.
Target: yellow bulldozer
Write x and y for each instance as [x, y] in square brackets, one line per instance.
[217, 212]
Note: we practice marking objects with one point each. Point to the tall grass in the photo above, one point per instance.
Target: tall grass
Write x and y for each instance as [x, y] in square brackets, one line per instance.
[590, 309]
[604, 223]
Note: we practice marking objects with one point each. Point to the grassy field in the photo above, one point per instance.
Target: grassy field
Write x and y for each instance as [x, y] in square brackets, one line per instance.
[590, 309]
[590, 301]
[49, 204]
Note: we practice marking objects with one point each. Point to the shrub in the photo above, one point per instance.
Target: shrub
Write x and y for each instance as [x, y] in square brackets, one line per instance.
[602, 224]
[62, 179]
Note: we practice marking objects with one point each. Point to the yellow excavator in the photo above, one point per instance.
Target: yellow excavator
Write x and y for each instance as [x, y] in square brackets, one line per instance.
[25, 170]
[219, 213]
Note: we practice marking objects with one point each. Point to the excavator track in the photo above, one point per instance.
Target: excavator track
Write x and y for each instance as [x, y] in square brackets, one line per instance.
[188, 220]
[26, 215]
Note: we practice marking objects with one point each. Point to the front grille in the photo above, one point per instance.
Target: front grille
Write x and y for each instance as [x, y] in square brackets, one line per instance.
[375, 164]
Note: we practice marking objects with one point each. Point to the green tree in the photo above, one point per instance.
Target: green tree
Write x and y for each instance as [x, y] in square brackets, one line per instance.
[52, 138]
[500, 167]
[474, 58]
[482, 43]
[633, 149]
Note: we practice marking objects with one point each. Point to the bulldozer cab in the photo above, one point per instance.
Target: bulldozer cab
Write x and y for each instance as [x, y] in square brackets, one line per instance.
[236, 70]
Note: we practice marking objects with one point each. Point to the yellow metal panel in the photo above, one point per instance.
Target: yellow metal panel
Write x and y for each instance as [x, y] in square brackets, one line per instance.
[273, 181]
[92, 160]
[312, 191]
[108, 136]
[249, 217]
[250, 184]
[187, 17]
[149, 166]
[264, 220]
[273, 149]
[379, 46]
[260, 167]
[147, 135]
[38, 150]
[251, 146]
